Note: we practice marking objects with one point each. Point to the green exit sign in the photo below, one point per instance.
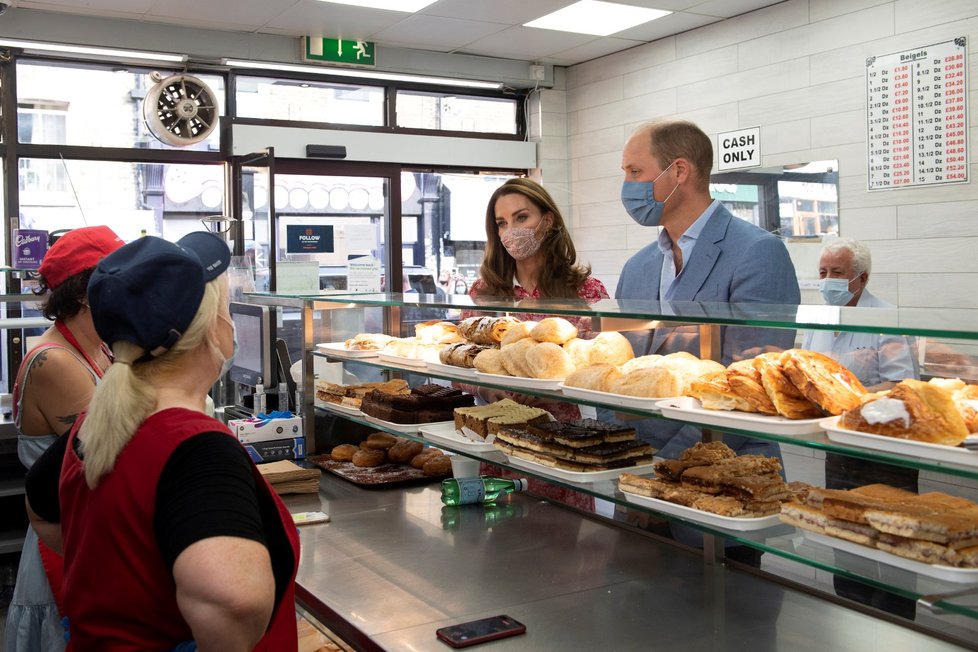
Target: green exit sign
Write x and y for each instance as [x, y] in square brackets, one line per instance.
[333, 50]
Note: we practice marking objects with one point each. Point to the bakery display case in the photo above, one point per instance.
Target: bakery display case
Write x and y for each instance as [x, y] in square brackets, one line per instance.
[710, 329]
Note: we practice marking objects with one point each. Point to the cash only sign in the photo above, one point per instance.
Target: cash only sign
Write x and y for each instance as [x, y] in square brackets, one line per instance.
[739, 149]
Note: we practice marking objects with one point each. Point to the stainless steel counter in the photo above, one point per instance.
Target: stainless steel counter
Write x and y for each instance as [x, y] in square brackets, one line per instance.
[390, 568]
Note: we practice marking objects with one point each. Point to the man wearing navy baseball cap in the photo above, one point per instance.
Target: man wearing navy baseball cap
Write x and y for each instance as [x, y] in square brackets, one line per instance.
[170, 532]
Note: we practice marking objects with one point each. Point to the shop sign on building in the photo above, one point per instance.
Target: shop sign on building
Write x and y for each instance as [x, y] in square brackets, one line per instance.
[332, 50]
[739, 149]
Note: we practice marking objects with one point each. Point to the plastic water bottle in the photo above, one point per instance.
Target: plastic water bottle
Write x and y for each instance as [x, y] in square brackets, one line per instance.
[486, 489]
[455, 517]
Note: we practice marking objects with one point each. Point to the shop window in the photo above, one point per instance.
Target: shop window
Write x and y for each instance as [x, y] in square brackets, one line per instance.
[105, 105]
[441, 111]
[309, 101]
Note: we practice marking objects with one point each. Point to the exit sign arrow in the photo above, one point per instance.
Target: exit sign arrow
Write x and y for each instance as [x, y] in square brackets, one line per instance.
[332, 50]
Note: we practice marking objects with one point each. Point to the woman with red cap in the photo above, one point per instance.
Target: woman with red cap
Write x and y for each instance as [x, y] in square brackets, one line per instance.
[54, 385]
[172, 537]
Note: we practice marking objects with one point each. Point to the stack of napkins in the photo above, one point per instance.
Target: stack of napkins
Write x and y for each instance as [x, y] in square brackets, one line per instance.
[287, 477]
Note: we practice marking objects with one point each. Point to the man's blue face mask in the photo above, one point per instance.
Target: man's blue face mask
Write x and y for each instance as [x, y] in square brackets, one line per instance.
[835, 291]
[638, 198]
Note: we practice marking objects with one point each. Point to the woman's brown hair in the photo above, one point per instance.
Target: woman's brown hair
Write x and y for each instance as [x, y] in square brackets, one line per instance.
[561, 277]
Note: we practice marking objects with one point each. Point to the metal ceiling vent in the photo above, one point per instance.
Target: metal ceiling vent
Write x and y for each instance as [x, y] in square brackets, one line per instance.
[180, 110]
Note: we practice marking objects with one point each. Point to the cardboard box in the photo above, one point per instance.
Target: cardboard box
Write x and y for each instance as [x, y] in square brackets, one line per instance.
[249, 431]
[277, 449]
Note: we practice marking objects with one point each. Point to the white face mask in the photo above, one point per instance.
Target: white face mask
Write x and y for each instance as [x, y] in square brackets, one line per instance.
[227, 363]
[521, 242]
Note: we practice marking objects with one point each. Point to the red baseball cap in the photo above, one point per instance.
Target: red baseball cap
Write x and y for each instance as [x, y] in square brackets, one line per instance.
[76, 251]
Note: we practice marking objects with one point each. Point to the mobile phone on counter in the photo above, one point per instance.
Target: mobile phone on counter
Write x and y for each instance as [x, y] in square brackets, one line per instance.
[480, 631]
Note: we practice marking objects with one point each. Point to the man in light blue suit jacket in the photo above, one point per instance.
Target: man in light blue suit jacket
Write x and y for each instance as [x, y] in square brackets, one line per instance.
[703, 254]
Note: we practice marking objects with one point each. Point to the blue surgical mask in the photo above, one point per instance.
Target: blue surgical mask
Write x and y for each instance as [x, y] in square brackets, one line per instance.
[835, 291]
[638, 198]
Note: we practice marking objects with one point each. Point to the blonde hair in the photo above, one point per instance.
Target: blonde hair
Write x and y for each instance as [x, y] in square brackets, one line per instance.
[126, 396]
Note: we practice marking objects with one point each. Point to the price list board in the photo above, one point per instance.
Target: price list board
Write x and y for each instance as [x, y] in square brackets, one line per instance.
[917, 114]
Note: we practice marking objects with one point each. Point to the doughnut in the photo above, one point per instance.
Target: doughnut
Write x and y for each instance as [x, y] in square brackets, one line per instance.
[379, 441]
[437, 465]
[343, 452]
[404, 451]
[368, 457]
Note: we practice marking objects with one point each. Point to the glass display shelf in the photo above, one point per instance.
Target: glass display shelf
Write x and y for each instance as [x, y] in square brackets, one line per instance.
[817, 440]
[895, 321]
[778, 538]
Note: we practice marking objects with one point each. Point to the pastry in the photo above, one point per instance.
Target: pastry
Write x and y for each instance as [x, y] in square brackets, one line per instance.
[437, 332]
[745, 379]
[786, 398]
[715, 393]
[966, 400]
[548, 360]
[485, 330]
[579, 352]
[490, 361]
[418, 460]
[437, 465]
[461, 354]
[554, 329]
[366, 457]
[911, 410]
[404, 451]
[598, 377]
[343, 452]
[517, 332]
[367, 342]
[822, 380]
[610, 348]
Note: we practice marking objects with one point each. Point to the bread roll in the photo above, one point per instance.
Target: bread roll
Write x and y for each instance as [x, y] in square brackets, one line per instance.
[366, 457]
[640, 362]
[822, 380]
[379, 441]
[548, 360]
[490, 361]
[343, 452]
[787, 399]
[599, 377]
[404, 451]
[554, 329]
[579, 351]
[911, 410]
[652, 382]
[517, 332]
[514, 357]
[610, 348]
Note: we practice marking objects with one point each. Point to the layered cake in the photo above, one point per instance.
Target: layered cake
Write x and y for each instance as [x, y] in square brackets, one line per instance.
[352, 395]
[583, 432]
[484, 420]
[424, 404]
[547, 450]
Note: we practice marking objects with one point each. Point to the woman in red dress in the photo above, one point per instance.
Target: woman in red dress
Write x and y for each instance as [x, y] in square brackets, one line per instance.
[530, 255]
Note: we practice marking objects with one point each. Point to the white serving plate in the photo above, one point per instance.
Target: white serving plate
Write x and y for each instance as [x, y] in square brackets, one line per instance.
[406, 428]
[339, 350]
[946, 573]
[451, 370]
[346, 410]
[576, 476]
[739, 523]
[445, 433]
[624, 400]
[686, 408]
[918, 449]
[520, 381]
[401, 360]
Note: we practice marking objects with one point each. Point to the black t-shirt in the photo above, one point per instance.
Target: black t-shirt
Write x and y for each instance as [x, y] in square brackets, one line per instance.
[206, 489]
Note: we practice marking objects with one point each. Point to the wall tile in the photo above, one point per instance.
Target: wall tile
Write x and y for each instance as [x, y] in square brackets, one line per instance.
[602, 213]
[715, 63]
[553, 124]
[839, 129]
[643, 107]
[596, 93]
[752, 83]
[599, 165]
[552, 148]
[958, 218]
[878, 223]
[912, 15]
[823, 9]
[858, 27]
[786, 136]
[555, 169]
[948, 255]
[795, 103]
[596, 191]
[937, 290]
[599, 238]
[769, 20]
[596, 141]
[552, 101]
[646, 56]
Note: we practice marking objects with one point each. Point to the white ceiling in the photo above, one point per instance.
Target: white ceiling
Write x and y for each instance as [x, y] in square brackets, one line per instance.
[490, 28]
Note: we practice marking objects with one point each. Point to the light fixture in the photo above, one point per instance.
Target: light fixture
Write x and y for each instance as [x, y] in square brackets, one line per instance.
[362, 74]
[409, 6]
[596, 17]
[112, 53]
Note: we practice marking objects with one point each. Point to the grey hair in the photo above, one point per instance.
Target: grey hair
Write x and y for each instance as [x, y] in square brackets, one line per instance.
[862, 261]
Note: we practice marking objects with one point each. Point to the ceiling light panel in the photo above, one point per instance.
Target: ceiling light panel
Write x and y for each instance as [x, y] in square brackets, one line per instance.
[596, 17]
[408, 6]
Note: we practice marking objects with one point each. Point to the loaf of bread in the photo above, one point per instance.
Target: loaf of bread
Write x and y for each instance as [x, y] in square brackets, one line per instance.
[597, 377]
[822, 380]
[517, 332]
[513, 357]
[548, 360]
[490, 361]
[640, 362]
[554, 329]
[579, 352]
[913, 409]
[610, 348]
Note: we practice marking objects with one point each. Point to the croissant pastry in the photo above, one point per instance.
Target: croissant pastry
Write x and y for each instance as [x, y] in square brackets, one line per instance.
[487, 331]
